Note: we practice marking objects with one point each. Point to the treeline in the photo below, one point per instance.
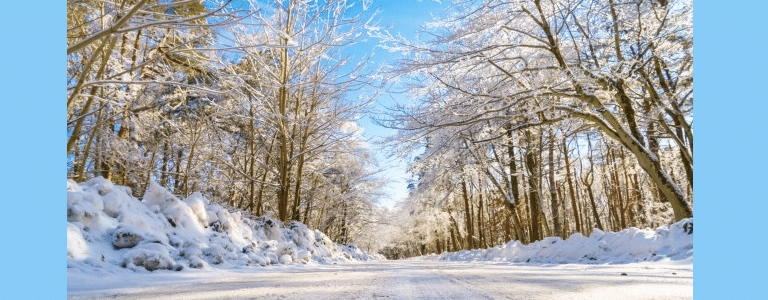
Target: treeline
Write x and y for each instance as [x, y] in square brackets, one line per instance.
[563, 184]
[546, 118]
[249, 105]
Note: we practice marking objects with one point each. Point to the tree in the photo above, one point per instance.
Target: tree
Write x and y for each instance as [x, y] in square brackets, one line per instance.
[125, 42]
[248, 105]
[616, 66]
[303, 82]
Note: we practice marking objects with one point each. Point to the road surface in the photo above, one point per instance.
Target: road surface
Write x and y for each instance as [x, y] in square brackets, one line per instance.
[403, 279]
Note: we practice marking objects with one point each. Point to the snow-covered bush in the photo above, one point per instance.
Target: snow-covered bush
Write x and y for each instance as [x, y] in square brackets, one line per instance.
[107, 228]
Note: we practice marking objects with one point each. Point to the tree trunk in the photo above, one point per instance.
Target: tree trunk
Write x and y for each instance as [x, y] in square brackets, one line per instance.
[297, 192]
[189, 168]
[283, 167]
[252, 160]
[574, 205]
[512, 164]
[453, 241]
[259, 204]
[468, 216]
[344, 223]
[490, 224]
[534, 200]
[588, 185]
[176, 179]
[80, 174]
[149, 171]
[480, 220]
[555, 203]
[611, 126]
[566, 223]
[510, 183]
[88, 103]
[455, 233]
[527, 212]
[164, 167]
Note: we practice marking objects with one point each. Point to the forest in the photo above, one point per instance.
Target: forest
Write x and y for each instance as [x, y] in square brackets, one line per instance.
[525, 119]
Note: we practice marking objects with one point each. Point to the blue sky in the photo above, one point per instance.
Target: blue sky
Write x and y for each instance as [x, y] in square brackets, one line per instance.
[402, 17]
[399, 17]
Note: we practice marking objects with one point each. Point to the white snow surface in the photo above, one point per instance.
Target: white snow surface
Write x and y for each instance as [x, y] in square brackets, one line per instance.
[667, 243]
[163, 247]
[111, 233]
[402, 279]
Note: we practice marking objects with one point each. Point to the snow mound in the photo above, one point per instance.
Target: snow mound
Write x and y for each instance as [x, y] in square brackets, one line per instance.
[108, 230]
[672, 242]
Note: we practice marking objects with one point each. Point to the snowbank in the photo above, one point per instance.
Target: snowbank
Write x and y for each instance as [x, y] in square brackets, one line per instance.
[673, 242]
[108, 230]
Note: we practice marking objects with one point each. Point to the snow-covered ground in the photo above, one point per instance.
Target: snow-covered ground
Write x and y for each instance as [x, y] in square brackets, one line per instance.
[666, 243]
[162, 247]
[112, 234]
[407, 279]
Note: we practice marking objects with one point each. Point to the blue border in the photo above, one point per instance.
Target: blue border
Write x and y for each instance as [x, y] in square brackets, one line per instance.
[31, 122]
[730, 149]
[729, 39]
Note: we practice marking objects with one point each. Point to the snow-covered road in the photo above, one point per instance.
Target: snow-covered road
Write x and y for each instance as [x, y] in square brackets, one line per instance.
[404, 279]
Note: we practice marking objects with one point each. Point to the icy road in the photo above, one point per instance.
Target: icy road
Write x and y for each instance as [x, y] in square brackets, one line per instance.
[404, 279]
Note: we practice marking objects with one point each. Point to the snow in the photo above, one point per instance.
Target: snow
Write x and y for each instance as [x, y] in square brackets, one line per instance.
[667, 243]
[111, 233]
[163, 247]
[404, 279]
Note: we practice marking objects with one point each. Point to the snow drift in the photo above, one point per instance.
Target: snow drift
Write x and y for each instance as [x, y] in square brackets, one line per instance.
[672, 242]
[109, 229]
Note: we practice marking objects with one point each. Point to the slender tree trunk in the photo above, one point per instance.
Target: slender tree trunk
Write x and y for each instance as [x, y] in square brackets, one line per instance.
[611, 185]
[515, 185]
[574, 205]
[588, 185]
[283, 167]
[480, 222]
[490, 224]
[468, 216]
[88, 103]
[510, 202]
[308, 203]
[80, 174]
[259, 204]
[687, 164]
[566, 223]
[344, 223]
[508, 229]
[297, 191]
[630, 200]
[164, 167]
[455, 233]
[189, 168]
[527, 212]
[555, 205]
[176, 179]
[512, 164]
[149, 171]
[536, 213]
[252, 160]
[107, 162]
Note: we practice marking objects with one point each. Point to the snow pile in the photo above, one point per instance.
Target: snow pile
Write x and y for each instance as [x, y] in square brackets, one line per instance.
[673, 242]
[108, 229]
